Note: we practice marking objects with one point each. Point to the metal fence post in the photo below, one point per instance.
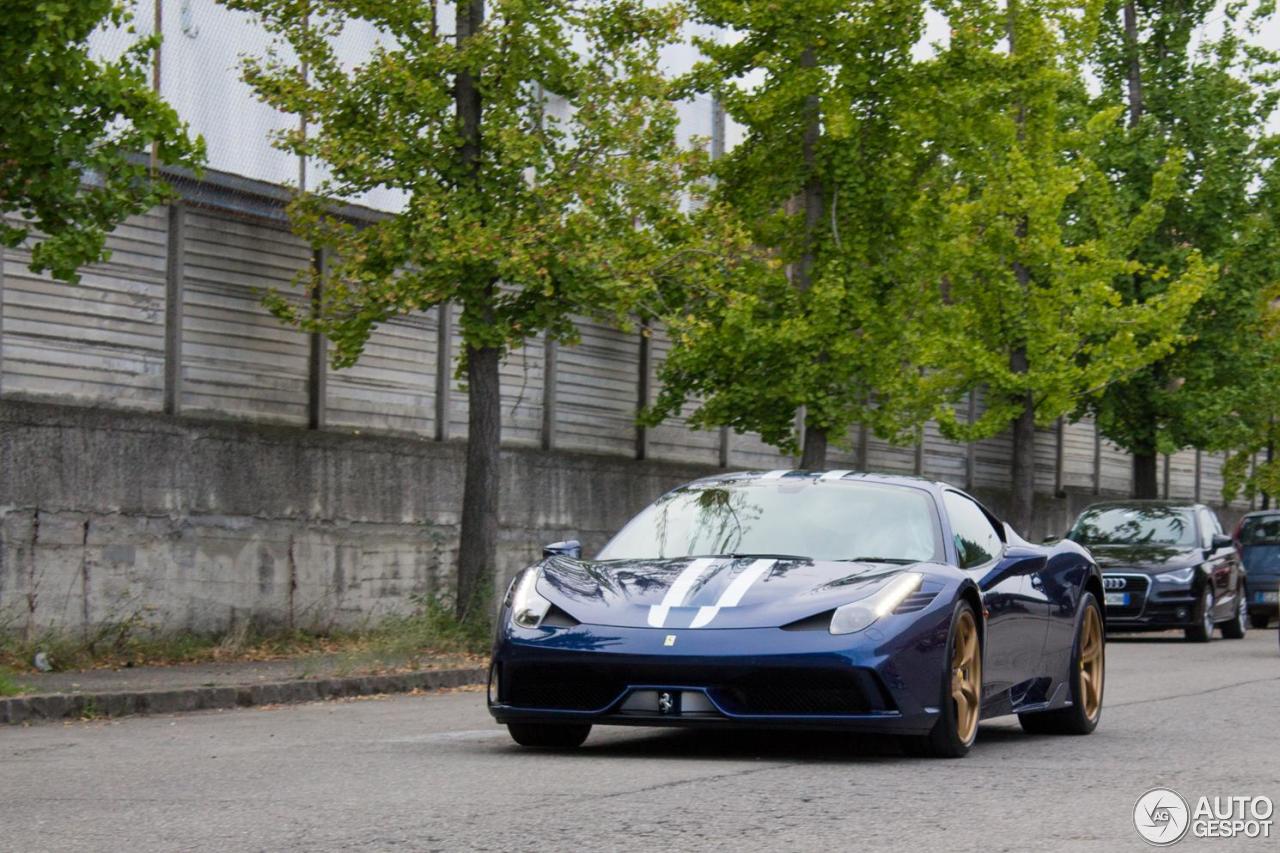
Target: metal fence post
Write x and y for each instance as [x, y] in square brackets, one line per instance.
[550, 352]
[317, 380]
[174, 309]
[1059, 457]
[1199, 472]
[444, 372]
[642, 391]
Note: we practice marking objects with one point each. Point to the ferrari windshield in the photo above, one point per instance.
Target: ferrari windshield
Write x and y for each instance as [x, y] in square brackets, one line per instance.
[1136, 525]
[834, 520]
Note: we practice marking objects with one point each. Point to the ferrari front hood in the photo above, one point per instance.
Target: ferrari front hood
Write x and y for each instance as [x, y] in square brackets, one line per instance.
[706, 592]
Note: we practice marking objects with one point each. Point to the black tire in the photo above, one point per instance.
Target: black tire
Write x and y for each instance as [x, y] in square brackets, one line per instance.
[1074, 719]
[1239, 626]
[549, 735]
[944, 741]
[1202, 630]
[1259, 620]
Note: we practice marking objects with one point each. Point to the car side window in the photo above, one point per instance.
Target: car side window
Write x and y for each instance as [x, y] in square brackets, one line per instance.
[977, 541]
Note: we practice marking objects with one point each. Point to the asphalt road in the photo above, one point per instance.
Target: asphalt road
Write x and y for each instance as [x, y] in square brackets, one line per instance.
[433, 772]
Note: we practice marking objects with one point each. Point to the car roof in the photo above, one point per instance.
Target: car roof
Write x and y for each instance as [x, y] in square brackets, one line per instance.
[835, 474]
[1139, 503]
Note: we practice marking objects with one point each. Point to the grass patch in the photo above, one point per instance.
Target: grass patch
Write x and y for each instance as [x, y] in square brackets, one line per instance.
[9, 687]
[430, 632]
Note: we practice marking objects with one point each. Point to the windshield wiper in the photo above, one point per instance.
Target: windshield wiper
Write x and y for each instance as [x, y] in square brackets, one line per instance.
[900, 561]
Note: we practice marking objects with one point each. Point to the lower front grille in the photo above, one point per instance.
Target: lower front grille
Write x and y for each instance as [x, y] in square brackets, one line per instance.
[1135, 587]
[738, 690]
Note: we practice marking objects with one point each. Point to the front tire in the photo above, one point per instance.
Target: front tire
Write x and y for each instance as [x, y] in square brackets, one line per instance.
[1239, 626]
[1088, 665]
[1202, 631]
[957, 727]
[549, 735]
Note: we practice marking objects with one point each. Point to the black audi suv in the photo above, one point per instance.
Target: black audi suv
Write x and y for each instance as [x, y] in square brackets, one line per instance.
[1166, 565]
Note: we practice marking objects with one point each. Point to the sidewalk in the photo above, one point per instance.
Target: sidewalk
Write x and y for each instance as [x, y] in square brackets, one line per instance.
[196, 687]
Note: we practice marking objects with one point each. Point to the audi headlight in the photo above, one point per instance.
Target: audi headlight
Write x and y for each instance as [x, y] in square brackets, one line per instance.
[861, 614]
[1178, 576]
[527, 607]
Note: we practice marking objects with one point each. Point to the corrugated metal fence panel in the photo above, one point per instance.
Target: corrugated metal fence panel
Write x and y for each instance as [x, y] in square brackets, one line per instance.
[944, 459]
[1077, 454]
[522, 375]
[392, 386]
[1117, 470]
[843, 452]
[674, 439]
[1046, 459]
[1182, 475]
[596, 390]
[992, 456]
[1211, 478]
[459, 408]
[100, 341]
[748, 452]
[890, 458]
[238, 360]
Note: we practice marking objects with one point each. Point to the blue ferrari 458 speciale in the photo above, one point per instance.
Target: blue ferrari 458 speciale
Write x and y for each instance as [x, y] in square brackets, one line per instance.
[859, 602]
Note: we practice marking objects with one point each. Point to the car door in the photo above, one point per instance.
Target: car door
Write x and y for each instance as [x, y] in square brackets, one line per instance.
[1222, 566]
[1016, 610]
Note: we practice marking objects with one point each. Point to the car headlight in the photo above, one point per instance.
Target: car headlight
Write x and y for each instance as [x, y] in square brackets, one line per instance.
[861, 614]
[527, 607]
[1178, 575]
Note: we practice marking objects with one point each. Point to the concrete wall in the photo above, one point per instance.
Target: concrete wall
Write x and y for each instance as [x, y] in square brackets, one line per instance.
[107, 516]
[182, 524]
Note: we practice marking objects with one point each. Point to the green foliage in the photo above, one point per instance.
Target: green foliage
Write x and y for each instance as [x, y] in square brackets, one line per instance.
[1211, 104]
[570, 198]
[1034, 235]
[69, 124]
[836, 147]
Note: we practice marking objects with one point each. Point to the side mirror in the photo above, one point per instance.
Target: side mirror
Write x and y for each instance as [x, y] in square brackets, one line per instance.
[1220, 542]
[568, 548]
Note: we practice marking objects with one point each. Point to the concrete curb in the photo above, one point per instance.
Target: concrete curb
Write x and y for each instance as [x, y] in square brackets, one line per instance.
[61, 706]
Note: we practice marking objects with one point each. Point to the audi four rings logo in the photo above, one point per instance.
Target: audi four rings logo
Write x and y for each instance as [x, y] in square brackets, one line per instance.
[1114, 583]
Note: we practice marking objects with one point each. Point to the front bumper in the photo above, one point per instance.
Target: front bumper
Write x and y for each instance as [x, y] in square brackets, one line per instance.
[1137, 602]
[761, 677]
[1264, 594]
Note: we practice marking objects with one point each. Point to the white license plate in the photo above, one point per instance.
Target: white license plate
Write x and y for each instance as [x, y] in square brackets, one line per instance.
[1117, 599]
[1267, 597]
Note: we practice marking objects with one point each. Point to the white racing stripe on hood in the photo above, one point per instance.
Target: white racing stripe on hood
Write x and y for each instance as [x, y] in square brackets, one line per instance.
[734, 593]
[678, 591]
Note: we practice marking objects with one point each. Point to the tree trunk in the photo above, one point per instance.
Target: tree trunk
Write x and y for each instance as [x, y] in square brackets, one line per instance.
[814, 454]
[478, 544]
[1134, 64]
[1146, 475]
[814, 457]
[478, 548]
[1022, 484]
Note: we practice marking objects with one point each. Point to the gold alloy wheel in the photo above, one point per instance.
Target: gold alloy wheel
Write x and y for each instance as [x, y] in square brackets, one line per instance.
[1091, 663]
[966, 675]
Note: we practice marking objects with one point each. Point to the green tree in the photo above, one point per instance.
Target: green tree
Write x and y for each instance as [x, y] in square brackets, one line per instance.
[1255, 421]
[1211, 102]
[523, 216]
[835, 148]
[72, 128]
[1034, 234]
